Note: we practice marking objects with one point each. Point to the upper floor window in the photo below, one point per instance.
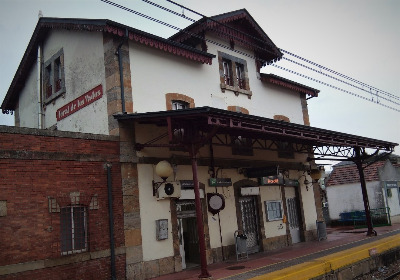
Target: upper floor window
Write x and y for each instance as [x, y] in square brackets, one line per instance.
[179, 105]
[234, 74]
[227, 66]
[240, 76]
[242, 146]
[53, 76]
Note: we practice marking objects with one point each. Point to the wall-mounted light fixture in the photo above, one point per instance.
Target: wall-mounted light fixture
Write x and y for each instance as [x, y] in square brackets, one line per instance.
[315, 175]
[164, 170]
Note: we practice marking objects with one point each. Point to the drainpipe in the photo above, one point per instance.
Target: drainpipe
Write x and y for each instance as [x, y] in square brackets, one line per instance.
[111, 221]
[39, 87]
[121, 73]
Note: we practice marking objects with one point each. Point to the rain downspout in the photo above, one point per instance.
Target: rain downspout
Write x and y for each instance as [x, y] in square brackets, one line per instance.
[121, 73]
[39, 81]
[111, 221]
[39, 87]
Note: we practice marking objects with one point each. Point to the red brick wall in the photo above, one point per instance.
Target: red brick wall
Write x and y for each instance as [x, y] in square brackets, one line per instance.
[35, 165]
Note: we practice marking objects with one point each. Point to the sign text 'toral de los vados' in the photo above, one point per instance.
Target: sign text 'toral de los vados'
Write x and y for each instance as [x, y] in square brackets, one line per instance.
[80, 102]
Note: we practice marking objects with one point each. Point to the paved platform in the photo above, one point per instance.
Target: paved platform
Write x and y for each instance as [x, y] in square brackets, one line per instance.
[343, 246]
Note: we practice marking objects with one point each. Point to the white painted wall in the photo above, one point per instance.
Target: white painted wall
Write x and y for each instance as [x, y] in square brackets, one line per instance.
[83, 70]
[28, 101]
[155, 73]
[150, 211]
[272, 228]
[348, 197]
[393, 202]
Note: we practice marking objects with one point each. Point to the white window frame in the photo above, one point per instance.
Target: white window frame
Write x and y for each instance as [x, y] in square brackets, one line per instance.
[179, 105]
[74, 209]
[269, 211]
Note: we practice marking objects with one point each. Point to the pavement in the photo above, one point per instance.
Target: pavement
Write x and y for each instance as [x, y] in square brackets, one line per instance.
[343, 246]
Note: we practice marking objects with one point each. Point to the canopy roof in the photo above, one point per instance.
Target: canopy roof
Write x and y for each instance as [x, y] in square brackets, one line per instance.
[207, 119]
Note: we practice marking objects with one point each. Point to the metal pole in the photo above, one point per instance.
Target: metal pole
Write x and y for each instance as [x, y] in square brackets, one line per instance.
[358, 163]
[199, 217]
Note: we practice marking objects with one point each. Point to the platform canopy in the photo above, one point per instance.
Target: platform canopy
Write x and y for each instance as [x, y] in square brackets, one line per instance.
[265, 133]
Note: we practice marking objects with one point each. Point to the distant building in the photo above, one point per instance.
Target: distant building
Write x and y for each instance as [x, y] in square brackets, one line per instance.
[383, 183]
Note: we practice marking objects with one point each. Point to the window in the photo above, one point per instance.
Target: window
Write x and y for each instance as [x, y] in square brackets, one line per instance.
[73, 223]
[179, 105]
[53, 77]
[233, 74]
[242, 146]
[240, 76]
[273, 210]
[227, 66]
[285, 150]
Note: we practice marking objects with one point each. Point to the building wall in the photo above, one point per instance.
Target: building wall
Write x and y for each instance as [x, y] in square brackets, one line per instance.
[41, 170]
[348, 197]
[27, 112]
[156, 73]
[83, 71]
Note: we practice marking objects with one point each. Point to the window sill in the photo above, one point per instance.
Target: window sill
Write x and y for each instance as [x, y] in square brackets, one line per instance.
[54, 96]
[236, 90]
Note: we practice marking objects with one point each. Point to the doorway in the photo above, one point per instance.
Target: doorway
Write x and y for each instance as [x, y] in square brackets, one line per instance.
[293, 214]
[249, 213]
[187, 234]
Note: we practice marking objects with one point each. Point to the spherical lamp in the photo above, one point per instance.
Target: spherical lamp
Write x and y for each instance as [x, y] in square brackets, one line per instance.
[164, 169]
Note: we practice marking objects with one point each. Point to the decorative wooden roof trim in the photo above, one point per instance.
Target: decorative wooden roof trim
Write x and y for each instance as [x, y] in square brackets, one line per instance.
[273, 79]
[166, 46]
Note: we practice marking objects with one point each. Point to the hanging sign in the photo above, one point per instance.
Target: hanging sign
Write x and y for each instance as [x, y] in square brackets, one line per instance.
[261, 172]
[271, 180]
[291, 183]
[220, 182]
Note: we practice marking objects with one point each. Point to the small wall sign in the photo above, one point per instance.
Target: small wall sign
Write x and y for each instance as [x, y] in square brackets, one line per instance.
[271, 180]
[220, 182]
[80, 102]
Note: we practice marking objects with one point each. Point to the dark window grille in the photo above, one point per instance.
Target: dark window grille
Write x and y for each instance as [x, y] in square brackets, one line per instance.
[73, 222]
[226, 64]
[240, 76]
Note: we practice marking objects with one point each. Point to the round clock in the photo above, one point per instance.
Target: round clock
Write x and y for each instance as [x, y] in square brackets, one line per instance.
[216, 202]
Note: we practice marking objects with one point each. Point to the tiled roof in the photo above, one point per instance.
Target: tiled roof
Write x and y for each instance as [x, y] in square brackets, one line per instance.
[348, 173]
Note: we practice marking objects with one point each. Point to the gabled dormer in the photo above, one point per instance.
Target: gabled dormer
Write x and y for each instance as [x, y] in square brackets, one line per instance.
[238, 28]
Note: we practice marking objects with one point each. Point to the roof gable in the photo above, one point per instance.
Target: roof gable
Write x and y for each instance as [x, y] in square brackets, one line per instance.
[45, 24]
[237, 27]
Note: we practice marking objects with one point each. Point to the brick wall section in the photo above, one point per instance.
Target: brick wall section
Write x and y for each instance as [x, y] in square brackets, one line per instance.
[37, 164]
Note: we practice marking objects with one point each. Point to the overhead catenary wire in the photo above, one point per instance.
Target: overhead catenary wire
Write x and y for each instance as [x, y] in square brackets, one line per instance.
[253, 57]
[332, 86]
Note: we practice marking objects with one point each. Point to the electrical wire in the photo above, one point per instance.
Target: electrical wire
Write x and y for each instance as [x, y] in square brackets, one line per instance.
[257, 46]
[332, 86]
[339, 74]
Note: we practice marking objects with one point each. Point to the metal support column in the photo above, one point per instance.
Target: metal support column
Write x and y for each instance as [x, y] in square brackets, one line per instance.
[199, 216]
[358, 162]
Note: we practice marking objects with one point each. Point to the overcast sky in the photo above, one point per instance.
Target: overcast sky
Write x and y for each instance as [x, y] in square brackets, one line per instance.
[357, 38]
